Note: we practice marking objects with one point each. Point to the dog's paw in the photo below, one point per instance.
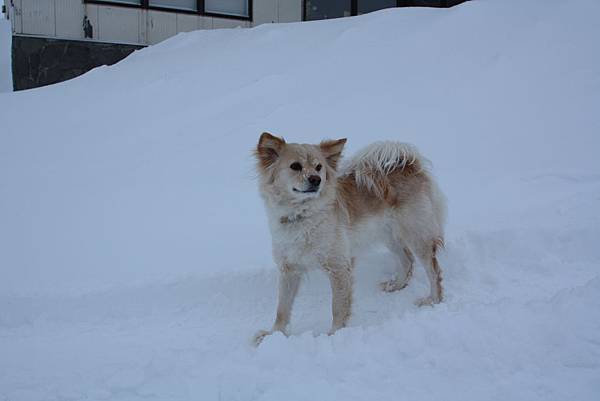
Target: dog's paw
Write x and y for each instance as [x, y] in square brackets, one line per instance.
[427, 301]
[393, 285]
[260, 336]
[335, 328]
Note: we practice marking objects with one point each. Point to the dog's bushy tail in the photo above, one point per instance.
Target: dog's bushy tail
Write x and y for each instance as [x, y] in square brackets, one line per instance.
[372, 166]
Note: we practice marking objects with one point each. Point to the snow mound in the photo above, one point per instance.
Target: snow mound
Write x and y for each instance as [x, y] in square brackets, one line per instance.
[135, 256]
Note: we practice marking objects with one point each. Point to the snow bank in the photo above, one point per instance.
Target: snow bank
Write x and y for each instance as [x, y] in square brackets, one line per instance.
[134, 251]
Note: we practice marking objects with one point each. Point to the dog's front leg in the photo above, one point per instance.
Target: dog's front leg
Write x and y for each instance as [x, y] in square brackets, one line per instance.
[341, 279]
[289, 282]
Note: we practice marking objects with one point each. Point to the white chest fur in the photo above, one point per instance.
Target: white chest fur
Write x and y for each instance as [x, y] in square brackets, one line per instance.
[307, 242]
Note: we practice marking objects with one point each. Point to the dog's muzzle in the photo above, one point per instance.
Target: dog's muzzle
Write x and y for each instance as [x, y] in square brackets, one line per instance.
[314, 182]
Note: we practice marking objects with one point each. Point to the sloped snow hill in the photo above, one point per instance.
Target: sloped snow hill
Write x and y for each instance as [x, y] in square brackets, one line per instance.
[134, 252]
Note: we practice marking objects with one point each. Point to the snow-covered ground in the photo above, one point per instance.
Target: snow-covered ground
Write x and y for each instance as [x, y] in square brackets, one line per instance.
[134, 252]
[5, 60]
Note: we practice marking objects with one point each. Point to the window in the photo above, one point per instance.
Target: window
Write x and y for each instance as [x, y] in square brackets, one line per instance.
[228, 7]
[325, 9]
[175, 4]
[235, 9]
[366, 6]
[134, 2]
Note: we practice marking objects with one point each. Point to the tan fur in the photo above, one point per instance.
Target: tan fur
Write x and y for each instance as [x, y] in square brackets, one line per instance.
[268, 149]
[384, 194]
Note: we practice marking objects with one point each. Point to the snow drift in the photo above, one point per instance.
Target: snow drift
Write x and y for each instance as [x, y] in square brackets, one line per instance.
[122, 191]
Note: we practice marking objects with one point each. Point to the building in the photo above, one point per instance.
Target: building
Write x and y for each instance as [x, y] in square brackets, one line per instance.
[55, 40]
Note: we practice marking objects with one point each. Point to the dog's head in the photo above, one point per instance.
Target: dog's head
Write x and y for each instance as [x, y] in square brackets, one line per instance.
[299, 172]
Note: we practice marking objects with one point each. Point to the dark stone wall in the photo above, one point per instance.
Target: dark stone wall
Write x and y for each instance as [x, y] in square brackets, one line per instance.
[44, 61]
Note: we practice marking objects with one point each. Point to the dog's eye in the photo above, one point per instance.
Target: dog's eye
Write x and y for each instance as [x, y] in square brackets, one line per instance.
[318, 168]
[296, 166]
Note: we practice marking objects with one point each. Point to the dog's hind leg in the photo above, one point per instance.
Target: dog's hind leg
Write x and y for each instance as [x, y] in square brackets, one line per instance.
[428, 257]
[404, 267]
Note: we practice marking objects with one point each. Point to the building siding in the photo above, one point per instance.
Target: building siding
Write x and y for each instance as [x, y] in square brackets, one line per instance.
[187, 23]
[69, 19]
[265, 11]
[63, 19]
[160, 26]
[289, 11]
[16, 16]
[118, 24]
[39, 17]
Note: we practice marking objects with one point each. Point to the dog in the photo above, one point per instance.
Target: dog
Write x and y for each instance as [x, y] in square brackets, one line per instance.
[322, 213]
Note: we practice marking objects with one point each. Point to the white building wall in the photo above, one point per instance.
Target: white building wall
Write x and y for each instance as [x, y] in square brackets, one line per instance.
[265, 12]
[63, 19]
[219, 23]
[289, 11]
[69, 19]
[39, 17]
[118, 24]
[187, 23]
[15, 16]
[91, 12]
[160, 26]
[205, 22]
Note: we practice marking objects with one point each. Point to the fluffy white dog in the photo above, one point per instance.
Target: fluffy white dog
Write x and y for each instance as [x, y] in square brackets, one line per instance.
[320, 217]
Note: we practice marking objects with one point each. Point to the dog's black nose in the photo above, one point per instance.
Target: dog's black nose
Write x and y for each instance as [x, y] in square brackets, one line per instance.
[314, 180]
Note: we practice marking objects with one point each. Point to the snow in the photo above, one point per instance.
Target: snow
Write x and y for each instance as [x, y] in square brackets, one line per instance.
[5, 55]
[134, 250]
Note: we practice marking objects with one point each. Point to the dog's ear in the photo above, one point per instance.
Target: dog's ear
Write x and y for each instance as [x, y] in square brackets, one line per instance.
[268, 149]
[332, 150]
